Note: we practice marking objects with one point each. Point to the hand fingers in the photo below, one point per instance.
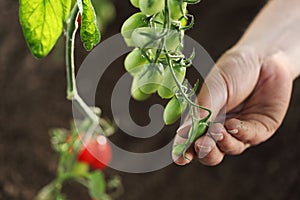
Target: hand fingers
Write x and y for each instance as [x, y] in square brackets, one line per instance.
[180, 160]
[265, 109]
[225, 141]
[207, 151]
[210, 153]
[180, 138]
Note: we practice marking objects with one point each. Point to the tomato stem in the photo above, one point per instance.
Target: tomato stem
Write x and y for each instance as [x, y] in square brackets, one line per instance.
[70, 45]
[72, 93]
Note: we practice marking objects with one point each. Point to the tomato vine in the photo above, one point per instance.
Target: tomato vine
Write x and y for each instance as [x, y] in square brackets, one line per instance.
[157, 64]
[43, 23]
[157, 33]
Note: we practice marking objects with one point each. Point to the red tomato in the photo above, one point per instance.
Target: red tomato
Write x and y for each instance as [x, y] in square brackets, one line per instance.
[79, 20]
[97, 153]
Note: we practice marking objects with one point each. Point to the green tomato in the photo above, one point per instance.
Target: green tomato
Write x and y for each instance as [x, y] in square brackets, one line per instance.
[150, 78]
[158, 20]
[175, 9]
[168, 84]
[173, 37]
[136, 92]
[173, 111]
[202, 126]
[135, 3]
[144, 37]
[135, 62]
[172, 40]
[135, 21]
[151, 7]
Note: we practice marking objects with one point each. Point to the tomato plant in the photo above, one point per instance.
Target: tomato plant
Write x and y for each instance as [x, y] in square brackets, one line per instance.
[43, 22]
[157, 64]
[159, 41]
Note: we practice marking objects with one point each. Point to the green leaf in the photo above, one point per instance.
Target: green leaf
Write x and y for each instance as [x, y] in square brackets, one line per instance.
[42, 23]
[97, 185]
[67, 4]
[89, 31]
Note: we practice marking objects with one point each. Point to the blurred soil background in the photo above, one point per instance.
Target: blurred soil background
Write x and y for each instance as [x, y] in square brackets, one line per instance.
[33, 101]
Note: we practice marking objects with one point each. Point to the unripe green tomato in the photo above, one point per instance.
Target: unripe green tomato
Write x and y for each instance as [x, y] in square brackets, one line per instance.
[173, 37]
[129, 42]
[172, 40]
[173, 111]
[144, 36]
[135, 62]
[136, 92]
[175, 9]
[135, 3]
[168, 84]
[135, 21]
[158, 19]
[150, 78]
[202, 126]
[151, 7]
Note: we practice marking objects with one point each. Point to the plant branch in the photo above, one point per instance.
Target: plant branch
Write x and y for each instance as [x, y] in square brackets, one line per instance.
[72, 93]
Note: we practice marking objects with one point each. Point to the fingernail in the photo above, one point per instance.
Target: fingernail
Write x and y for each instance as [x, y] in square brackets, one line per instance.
[217, 136]
[203, 151]
[188, 157]
[233, 131]
[184, 126]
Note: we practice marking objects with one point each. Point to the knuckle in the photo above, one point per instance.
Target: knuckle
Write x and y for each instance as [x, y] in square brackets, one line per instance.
[243, 57]
[235, 63]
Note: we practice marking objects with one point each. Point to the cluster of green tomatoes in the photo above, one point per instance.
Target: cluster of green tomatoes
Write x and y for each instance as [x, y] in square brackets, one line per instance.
[157, 63]
[157, 35]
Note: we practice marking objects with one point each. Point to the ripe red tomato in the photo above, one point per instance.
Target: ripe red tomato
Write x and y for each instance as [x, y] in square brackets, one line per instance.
[79, 20]
[96, 153]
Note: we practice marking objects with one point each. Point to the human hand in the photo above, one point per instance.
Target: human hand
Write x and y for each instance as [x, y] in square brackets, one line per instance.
[253, 82]
[256, 95]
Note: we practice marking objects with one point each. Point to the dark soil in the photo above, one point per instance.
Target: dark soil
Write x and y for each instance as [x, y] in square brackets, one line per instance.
[33, 101]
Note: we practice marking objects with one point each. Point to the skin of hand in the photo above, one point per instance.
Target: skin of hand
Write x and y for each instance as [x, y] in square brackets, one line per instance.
[253, 81]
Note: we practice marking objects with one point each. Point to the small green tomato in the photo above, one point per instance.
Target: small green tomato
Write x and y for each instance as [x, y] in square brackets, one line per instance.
[151, 7]
[146, 37]
[135, 3]
[173, 111]
[150, 78]
[168, 84]
[173, 40]
[136, 92]
[135, 62]
[202, 127]
[135, 21]
[177, 9]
